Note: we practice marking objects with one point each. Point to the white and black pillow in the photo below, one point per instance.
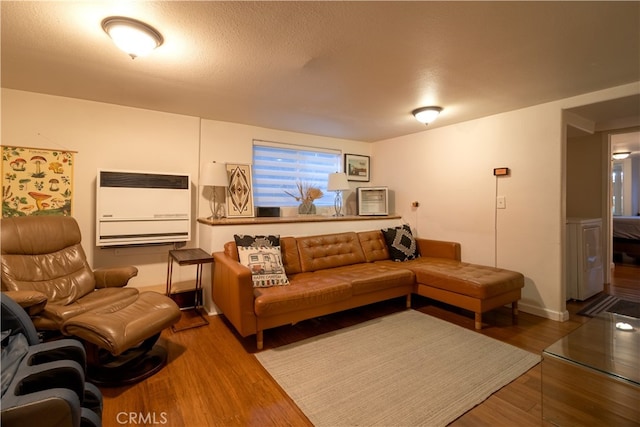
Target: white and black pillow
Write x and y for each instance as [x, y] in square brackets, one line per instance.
[402, 246]
[265, 263]
[256, 241]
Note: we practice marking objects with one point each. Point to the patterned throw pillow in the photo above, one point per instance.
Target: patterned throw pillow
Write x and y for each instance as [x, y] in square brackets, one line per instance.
[402, 245]
[250, 240]
[265, 264]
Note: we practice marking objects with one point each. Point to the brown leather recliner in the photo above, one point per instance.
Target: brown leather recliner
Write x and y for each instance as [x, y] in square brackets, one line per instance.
[45, 269]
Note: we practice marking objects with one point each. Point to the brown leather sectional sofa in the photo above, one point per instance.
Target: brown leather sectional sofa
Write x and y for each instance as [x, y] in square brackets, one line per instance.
[334, 272]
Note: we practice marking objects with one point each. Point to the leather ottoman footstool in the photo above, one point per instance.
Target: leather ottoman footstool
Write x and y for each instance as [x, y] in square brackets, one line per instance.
[131, 330]
[473, 287]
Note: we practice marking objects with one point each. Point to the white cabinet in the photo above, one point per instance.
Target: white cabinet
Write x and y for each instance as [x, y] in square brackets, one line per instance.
[584, 258]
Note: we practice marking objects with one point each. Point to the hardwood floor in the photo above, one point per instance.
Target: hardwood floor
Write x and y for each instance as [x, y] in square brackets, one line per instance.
[213, 379]
[626, 282]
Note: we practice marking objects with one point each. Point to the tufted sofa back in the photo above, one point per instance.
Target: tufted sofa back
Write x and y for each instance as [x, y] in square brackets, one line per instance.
[373, 245]
[311, 253]
[43, 253]
[329, 250]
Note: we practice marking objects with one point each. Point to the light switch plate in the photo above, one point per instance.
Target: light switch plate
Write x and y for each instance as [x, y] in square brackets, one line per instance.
[501, 202]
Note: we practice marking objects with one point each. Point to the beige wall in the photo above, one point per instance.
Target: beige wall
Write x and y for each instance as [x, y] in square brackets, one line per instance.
[448, 170]
[115, 137]
[232, 143]
[109, 137]
[584, 175]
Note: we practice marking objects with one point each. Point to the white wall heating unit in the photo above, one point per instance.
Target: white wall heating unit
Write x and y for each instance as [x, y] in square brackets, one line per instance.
[141, 208]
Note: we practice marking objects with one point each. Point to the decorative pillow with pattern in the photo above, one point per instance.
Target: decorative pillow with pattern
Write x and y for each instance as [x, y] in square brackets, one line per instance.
[265, 264]
[402, 245]
[251, 240]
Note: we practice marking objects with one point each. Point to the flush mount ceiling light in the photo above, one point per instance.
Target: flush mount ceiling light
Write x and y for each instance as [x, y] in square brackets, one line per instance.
[426, 114]
[132, 36]
[621, 155]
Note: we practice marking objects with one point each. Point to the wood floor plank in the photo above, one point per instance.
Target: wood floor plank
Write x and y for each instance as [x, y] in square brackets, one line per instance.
[496, 412]
[213, 378]
[523, 392]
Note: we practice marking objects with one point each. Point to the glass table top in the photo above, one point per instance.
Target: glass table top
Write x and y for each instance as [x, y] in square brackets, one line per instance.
[609, 343]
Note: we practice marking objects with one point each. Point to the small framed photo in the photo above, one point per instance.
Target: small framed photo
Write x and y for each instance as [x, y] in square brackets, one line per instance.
[357, 167]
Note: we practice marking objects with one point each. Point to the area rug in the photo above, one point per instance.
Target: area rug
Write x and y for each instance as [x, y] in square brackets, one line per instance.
[611, 304]
[404, 369]
[601, 303]
[627, 308]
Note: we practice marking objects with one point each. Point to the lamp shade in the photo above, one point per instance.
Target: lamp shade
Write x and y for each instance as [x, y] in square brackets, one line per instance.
[214, 174]
[337, 182]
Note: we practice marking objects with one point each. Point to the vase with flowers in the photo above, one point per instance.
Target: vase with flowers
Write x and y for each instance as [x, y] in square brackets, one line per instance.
[306, 195]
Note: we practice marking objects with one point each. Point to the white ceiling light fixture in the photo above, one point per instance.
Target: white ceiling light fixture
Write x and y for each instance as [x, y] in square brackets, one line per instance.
[426, 114]
[621, 155]
[132, 36]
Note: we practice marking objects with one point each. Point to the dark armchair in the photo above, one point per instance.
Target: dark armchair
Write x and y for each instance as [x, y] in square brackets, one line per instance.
[44, 268]
[43, 384]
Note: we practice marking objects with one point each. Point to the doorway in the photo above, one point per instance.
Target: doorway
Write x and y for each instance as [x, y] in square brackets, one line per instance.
[624, 187]
[587, 172]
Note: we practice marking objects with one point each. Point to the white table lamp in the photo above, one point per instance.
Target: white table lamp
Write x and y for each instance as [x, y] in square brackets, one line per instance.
[338, 182]
[215, 175]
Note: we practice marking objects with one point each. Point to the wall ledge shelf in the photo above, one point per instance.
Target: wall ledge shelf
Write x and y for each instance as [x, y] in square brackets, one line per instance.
[292, 219]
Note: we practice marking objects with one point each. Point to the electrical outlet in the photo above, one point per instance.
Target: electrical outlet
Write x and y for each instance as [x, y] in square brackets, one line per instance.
[501, 202]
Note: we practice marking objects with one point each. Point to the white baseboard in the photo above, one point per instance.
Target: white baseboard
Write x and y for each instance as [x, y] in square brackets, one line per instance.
[559, 316]
[212, 310]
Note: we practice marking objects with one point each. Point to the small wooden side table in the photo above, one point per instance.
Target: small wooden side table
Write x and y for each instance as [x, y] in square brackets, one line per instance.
[197, 257]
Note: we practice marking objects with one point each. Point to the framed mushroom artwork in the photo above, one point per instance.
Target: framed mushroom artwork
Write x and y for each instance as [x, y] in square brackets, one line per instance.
[36, 181]
[240, 191]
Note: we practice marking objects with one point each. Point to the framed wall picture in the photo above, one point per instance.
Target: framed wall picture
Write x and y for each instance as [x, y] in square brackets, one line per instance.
[36, 181]
[240, 191]
[357, 167]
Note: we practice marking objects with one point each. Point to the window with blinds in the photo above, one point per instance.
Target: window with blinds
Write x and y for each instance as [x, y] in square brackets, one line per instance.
[278, 167]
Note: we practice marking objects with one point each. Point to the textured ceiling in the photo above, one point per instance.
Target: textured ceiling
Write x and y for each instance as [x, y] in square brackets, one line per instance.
[344, 69]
